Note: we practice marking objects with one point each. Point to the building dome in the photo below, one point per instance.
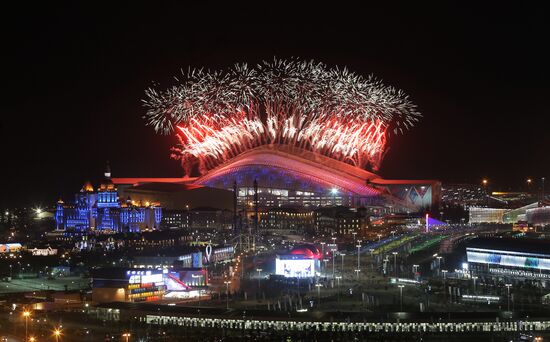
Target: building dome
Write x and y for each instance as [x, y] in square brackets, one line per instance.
[87, 187]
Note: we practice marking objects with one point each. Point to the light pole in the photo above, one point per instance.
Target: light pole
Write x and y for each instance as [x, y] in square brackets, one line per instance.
[484, 182]
[415, 269]
[357, 271]
[323, 248]
[342, 255]
[401, 296]
[199, 284]
[439, 263]
[379, 237]
[333, 255]
[395, 263]
[227, 293]
[385, 265]
[127, 336]
[259, 278]
[57, 333]
[325, 260]
[318, 286]
[444, 283]
[338, 279]
[474, 279]
[26, 314]
[508, 288]
[358, 256]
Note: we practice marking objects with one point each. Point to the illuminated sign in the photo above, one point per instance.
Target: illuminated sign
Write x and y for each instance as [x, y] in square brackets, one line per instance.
[519, 273]
[10, 247]
[144, 277]
[295, 268]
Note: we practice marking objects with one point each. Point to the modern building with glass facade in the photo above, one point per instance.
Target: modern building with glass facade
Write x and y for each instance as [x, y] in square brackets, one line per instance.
[510, 260]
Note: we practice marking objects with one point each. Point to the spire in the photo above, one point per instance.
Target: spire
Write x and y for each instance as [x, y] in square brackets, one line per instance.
[108, 170]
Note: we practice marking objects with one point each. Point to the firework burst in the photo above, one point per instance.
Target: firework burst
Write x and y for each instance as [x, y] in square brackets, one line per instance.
[334, 112]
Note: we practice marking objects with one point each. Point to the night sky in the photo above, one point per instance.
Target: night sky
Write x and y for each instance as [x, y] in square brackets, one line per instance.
[75, 76]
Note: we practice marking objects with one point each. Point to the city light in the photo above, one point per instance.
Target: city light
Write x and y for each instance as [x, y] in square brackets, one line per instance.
[57, 333]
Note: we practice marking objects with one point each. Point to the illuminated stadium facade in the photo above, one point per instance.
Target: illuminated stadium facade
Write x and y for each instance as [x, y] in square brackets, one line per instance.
[291, 176]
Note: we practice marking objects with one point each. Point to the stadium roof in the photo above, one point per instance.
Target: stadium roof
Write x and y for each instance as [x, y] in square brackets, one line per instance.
[164, 187]
[141, 180]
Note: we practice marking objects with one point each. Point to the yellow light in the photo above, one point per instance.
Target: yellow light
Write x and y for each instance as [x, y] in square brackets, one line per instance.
[484, 182]
[26, 314]
[31, 339]
[57, 332]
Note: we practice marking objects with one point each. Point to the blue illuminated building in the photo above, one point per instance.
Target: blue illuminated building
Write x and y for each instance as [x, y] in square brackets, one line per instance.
[103, 211]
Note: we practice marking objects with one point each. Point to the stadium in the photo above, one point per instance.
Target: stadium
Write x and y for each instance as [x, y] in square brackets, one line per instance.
[288, 133]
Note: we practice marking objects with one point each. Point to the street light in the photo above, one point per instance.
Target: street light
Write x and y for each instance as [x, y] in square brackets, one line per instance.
[57, 333]
[395, 263]
[318, 286]
[358, 256]
[325, 260]
[474, 279]
[484, 182]
[333, 254]
[342, 255]
[445, 283]
[127, 335]
[338, 280]
[401, 296]
[357, 271]
[439, 263]
[508, 288]
[259, 270]
[26, 314]
[227, 293]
